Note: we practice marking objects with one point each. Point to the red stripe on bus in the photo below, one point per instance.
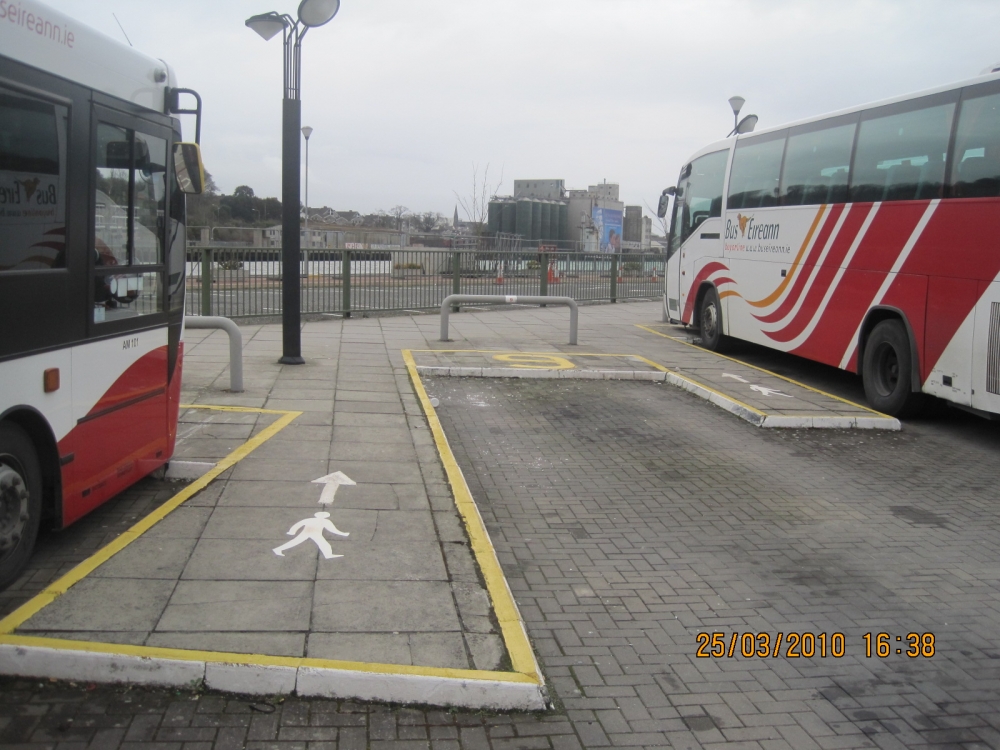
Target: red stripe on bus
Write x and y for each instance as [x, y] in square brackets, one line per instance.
[879, 249]
[824, 277]
[125, 439]
[707, 270]
[799, 286]
[959, 253]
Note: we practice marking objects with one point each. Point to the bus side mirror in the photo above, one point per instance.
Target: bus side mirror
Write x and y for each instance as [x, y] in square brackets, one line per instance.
[661, 209]
[188, 168]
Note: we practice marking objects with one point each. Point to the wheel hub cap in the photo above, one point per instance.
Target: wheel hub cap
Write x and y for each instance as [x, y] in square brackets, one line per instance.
[709, 321]
[13, 508]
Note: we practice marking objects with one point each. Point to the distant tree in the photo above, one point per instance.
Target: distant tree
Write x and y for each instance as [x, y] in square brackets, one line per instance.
[202, 209]
[379, 220]
[476, 203]
[398, 212]
[425, 222]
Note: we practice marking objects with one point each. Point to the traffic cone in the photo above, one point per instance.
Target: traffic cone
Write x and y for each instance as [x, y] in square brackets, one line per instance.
[553, 276]
[500, 273]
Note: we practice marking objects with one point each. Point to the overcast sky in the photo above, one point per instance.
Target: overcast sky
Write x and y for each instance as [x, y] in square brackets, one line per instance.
[406, 95]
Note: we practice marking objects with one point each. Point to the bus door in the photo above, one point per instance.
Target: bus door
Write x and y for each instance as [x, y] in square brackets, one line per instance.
[120, 374]
[696, 229]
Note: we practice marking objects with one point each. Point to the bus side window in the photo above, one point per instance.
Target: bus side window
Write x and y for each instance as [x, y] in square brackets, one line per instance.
[701, 197]
[753, 182]
[817, 163]
[901, 156]
[975, 170]
[129, 223]
[32, 183]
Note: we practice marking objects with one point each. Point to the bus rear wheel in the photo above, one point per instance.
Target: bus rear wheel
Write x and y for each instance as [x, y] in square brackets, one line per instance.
[20, 501]
[710, 320]
[886, 371]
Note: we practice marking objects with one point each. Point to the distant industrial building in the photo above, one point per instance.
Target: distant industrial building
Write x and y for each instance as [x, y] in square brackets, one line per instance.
[637, 229]
[543, 210]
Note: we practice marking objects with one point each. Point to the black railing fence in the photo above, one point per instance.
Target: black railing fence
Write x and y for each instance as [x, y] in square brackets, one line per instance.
[246, 282]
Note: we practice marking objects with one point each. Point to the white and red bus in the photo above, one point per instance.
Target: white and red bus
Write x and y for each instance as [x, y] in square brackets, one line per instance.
[92, 238]
[867, 239]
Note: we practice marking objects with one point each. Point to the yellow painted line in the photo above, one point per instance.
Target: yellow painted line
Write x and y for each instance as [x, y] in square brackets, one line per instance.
[767, 372]
[54, 590]
[698, 383]
[516, 351]
[221, 657]
[514, 634]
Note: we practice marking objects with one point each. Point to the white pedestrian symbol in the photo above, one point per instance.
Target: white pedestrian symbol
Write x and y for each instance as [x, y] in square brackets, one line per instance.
[312, 528]
[764, 390]
[330, 484]
[734, 377]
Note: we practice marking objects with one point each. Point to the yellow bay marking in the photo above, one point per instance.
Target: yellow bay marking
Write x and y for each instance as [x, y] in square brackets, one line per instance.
[535, 361]
[766, 372]
[30, 608]
[515, 636]
[637, 357]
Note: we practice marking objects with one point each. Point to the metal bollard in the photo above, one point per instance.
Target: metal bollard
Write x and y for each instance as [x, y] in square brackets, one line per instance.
[235, 344]
[456, 299]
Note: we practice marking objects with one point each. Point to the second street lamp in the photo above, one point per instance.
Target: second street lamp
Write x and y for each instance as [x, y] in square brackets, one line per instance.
[307, 131]
[311, 13]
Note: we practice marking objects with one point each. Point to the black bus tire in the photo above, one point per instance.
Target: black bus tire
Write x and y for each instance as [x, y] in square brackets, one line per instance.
[710, 320]
[886, 371]
[20, 501]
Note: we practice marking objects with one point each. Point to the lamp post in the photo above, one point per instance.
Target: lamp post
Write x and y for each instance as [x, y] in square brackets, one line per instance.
[736, 102]
[307, 131]
[311, 13]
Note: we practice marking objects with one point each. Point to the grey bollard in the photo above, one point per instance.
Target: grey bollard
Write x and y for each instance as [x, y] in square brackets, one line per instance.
[500, 299]
[235, 344]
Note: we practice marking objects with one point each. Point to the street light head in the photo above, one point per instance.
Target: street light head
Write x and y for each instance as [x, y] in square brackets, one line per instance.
[747, 124]
[266, 24]
[307, 131]
[317, 12]
[736, 102]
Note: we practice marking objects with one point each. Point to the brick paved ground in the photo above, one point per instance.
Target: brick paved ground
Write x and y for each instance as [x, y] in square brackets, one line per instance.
[628, 518]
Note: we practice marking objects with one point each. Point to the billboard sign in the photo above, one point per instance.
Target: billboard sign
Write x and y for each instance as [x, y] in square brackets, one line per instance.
[608, 223]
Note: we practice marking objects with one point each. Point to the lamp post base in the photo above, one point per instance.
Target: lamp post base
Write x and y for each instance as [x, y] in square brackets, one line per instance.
[286, 360]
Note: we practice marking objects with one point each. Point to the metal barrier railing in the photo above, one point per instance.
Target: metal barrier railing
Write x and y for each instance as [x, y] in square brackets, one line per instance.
[246, 282]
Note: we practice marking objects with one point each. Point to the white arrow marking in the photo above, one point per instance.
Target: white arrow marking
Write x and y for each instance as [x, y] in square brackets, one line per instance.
[734, 377]
[330, 484]
[764, 390]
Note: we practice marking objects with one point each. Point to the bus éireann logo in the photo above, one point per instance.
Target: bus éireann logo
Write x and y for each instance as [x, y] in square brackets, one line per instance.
[750, 229]
[29, 186]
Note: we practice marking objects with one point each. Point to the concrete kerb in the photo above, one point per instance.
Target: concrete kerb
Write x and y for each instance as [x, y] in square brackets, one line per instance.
[734, 406]
[876, 421]
[252, 674]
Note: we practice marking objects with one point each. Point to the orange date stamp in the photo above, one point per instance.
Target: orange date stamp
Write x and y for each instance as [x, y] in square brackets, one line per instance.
[807, 645]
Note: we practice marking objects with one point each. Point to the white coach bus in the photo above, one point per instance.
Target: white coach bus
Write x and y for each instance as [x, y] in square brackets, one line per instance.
[868, 239]
[92, 242]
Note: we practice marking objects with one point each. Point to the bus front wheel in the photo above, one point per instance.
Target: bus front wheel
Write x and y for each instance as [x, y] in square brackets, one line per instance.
[886, 371]
[20, 501]
[710, 320]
